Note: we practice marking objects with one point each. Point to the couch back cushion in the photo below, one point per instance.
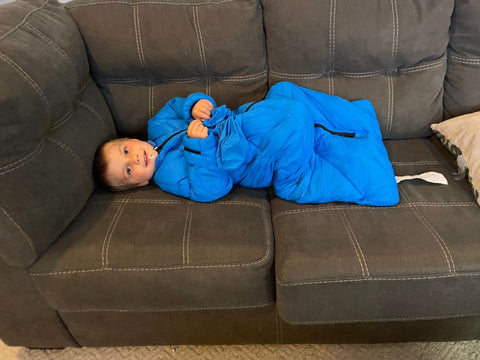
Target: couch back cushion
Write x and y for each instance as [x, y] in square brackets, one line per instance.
[390, 52]
[52, 118]
[462, 92]
[143, 53]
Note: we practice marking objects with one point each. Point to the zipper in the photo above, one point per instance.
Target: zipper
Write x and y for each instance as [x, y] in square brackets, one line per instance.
[160, 147]
[344, 134]
[192, 151]
[249, 106]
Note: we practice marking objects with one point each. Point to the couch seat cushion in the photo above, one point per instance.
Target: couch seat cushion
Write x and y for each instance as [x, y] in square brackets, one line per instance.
[420, 259]
[148, 250]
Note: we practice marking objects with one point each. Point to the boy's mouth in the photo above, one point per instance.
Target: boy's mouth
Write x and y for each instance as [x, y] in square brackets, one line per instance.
[145, 158]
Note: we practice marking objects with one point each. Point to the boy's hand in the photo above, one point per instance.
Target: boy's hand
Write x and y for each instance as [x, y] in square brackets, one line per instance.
[196, 129]
[202, 110]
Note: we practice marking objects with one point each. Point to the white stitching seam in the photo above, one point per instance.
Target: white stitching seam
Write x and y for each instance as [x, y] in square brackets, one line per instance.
[433, 65]
[259, 261]
[313, 76]
[433, 232]
[394, 32]
[67, 149]
[25, 160]
[152, 3]
[463, 60]
[84, 86]
[94, 112]
[141, 56]
[243, 77]
[24, 20]
[201, 49]
[233, 202]
[139, 201]
[154, 269]
[19, 228]
[67, 116]
[381, 319]
[151, 98]
[377, 278]
[423, 162]
[32, 83]
[299, 76]
[143, 79]
[388, 127]
[159, 201]
[234, 78]
[166, 310]
[51, 43]
[333, 9]
[356, 245]
[364, 207]
[110, 230]
[138, 37]
[362, 75]
[390, 80]
[186, 236]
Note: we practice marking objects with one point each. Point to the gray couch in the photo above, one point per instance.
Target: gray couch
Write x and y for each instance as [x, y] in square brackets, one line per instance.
[84, 267]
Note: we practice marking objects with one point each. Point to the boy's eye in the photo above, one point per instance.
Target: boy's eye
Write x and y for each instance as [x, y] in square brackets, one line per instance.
[125, 151]
[129, 171]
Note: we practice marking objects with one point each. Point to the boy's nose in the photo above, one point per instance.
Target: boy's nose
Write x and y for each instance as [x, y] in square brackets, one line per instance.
[135, 158]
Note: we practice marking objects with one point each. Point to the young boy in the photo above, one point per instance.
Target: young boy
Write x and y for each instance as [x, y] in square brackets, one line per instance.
[311, 147]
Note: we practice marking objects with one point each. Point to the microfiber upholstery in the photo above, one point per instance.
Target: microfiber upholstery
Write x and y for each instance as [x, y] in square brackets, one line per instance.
[390, 52]
[52, 118]
[418, 260]
[147, 250]
[141, 58]
[463, 71]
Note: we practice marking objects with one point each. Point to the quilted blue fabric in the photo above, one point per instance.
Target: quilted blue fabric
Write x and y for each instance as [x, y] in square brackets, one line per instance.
[310, 146]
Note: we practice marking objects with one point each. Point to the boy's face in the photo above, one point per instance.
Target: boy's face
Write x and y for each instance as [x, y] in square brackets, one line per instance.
[128, 162]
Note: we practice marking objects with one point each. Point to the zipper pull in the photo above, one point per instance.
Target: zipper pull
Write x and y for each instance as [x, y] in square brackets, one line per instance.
[152, 154]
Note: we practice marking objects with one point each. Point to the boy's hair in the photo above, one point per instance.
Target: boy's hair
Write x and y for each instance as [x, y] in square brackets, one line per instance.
[100, 170]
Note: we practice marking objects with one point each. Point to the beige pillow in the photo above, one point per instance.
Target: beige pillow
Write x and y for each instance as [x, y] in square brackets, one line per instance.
[461, 135]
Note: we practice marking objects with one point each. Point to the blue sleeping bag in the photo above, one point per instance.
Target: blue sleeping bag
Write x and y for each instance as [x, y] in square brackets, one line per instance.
[310, 146]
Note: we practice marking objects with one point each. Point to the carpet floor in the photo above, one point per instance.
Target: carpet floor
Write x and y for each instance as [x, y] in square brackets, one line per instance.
[467, 350]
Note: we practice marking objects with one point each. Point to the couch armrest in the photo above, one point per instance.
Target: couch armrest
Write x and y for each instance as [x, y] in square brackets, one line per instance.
[52, 118]
[26, 319]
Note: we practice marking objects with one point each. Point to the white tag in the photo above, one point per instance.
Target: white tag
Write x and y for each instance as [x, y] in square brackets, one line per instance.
[431, 177]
